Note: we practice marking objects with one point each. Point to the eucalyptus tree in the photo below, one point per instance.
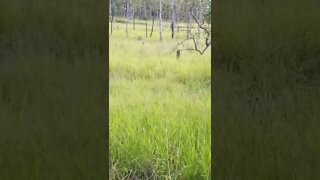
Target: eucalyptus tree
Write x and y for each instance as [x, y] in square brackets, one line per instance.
[153, 13]
[111, 11]
[172, 9]
[115, 7]
[136, 5]
[126, 15]
[191, 12]
[160, 20]
[145, 16]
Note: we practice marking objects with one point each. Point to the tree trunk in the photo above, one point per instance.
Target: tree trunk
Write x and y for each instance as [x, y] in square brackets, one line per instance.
[199, 16]
[188, 26]
[172, 19]
[150, 12]
[160, 20]
[145, 17]
[153, 19]
[157, 15]
[176, 20]
[124, 10]
[127, 18]
[134, 20]
[112, 15]
[110, 6]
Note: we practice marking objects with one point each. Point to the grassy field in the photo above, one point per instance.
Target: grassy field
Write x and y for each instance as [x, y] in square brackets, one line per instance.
[160, 108]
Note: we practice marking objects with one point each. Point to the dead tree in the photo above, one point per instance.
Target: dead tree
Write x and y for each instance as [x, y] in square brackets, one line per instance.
[192, 37]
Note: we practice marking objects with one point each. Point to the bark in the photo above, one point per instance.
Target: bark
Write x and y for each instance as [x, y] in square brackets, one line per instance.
[112, 15]
[158, 16]
[110, 5]
[188, 26]
[150, 12]
[199, 16]
[172, 19]
[126, 18]
[153, 19]
[124, 9]
[177, 22]
[145, 17]
[134, 20]
[160, 20]
[140, 12]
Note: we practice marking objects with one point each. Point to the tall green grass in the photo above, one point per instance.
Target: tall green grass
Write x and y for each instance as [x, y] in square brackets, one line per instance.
[266, 89]
[159, 114]
[53, 90]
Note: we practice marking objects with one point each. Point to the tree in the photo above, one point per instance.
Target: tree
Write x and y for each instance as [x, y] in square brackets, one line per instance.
[172, 19]
[145, 17]
[205, 28]
[207, 12]
[111, 10]
[126, 16]
[160, 20]
[194, 12]
[153, 15]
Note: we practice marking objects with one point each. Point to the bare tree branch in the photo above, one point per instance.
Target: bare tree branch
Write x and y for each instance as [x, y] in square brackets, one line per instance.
[202, 26]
